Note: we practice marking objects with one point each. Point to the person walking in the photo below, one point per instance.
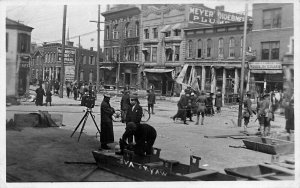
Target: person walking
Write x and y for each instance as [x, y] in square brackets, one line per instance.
[75, 91]
[265, 115]
[125, 105]
[107, 132]
[48, 97]
[151, 100]
[182, 106]
[247, 112]
[289, 116]
[209, 105]
[218, 101]
[201, 107]
[68, 89]
[40, 93]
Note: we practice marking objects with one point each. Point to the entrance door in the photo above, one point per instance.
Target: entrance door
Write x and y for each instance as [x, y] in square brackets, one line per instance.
[127, 79]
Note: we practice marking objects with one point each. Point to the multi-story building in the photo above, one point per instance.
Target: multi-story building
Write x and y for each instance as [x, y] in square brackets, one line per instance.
[121, 47]
[18, 40]
[273, 40]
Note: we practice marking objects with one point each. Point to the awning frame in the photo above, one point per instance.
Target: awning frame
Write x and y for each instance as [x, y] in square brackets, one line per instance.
[158, 70]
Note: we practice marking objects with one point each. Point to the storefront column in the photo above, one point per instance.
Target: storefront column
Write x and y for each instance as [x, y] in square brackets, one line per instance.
[50, 73]
[203, 78]
[213, 83]
[248, 80]
[236, 81]
[56, 73]
[44, 69]
[223, 86]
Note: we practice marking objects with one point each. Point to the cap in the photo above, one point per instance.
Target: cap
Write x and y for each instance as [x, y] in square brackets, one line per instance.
[266, 95]
[107, 95]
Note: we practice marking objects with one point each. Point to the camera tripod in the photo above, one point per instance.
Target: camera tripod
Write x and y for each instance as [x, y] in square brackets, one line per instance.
[84, 119]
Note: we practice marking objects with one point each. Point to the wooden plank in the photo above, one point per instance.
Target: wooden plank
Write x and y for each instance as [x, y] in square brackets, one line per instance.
[289, 161]
[281, 169]
[242, 137]
[201, 173]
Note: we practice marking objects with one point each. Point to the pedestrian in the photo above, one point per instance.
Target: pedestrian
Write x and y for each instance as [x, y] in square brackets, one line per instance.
[40, 93]
[107, 132]
[68, 89]
[201, 107]
[289, 116]
[81, 91]
[151, 100]
[135, 111]
[189, 104]
[265, 115]
[144, 136]
[56, 87]
[71, 88]
[182, 106]
[75, 91]
[209, 105]
[218, 101]
[48, 97]
[125, 105]
[247, 112]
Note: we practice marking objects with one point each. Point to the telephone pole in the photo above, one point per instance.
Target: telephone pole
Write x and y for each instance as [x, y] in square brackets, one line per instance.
[243, 69]
[79, 58]
[62, 70]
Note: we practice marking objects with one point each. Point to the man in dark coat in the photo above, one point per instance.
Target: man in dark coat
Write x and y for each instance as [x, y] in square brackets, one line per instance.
[182, 106]
[125, 104]
[107, 132]
[39, 96]
[151, 101]
[209, 105]
[289, 115]
[135, 111]
[144, 136]
[247, 113]
[264, 115]
[218, 101]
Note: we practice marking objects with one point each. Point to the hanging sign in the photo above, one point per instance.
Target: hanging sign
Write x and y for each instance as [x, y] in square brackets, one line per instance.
[70, 73]
[69, 55]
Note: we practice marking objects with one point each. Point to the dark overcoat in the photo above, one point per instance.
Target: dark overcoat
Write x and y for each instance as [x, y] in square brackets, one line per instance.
[218, 102]
[151, 98]
[135, 114]
[125, 102]
[40, 93]
[107, 132]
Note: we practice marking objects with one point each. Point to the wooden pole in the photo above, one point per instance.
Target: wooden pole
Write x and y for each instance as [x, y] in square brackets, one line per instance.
[62, 70]
[98, 48]
[79, 61]
[243, 69]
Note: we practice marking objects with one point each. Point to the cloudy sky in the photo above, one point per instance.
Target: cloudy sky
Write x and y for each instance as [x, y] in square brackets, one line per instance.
[46, 18]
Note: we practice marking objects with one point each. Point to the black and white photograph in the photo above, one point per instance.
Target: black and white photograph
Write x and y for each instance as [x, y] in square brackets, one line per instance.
[149, 93]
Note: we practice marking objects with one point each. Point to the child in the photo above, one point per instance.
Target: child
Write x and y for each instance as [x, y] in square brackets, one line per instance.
[48, 97]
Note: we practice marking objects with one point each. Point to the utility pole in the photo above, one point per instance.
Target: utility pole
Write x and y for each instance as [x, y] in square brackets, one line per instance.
[62, 72]
[243, 69]
[79, 58]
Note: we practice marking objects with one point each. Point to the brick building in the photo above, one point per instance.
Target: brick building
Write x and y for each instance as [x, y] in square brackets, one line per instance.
[273, 38]
[121, 47]
[86, 65]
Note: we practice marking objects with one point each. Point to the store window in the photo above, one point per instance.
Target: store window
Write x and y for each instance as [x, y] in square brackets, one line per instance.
[107, 32]
[167, 33]
[231, 47]
[115, 32]
[272, 18]
[154, 54]
[190, 48]
[169, 53]
[155, 33]
[221, 48]
[199, 48]
[177, 32]
[147, 53]
[107, 54]
[146, 33]
[129, 53]
[209, 48]
[116, 54]
[177, 53]
[270, 50]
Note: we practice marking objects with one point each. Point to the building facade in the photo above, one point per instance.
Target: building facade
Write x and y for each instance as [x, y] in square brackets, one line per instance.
[273, 28]
[121, 47]
[18, 40]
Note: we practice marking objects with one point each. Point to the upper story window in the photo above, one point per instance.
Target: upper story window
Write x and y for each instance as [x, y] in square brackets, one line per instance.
[177, 32]
[209, 48]
[147, 52]
[116, 54]
[154, 54]
[199, 48]
[6, 42]
[190, 48]
[177, 53]
[231, 47]
[137, 29]
[270, 50]
[23, 43]
[107, 54]
[221, 48]
[129, 53]
[169, 53]
[92, 60]
[115, 32]
[155, 33]
[167, 33]
[127, 30]
[272, 18]
[107, 32]
[146, 33]
[136, 53]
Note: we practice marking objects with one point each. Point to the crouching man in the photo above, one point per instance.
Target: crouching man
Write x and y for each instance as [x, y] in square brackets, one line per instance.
[144, 136]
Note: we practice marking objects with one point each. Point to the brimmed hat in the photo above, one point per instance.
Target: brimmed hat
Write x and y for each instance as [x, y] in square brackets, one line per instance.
[248, 93]
[266, 95]
[108, 95]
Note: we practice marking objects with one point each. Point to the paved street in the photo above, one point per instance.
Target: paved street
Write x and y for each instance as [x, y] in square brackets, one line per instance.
[177, 141]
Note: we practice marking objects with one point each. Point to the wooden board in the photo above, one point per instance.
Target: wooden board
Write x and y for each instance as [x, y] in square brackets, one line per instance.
[276, 167]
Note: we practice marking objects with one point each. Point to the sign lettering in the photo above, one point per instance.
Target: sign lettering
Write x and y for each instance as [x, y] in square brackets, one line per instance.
[265, 65]
[69, 56]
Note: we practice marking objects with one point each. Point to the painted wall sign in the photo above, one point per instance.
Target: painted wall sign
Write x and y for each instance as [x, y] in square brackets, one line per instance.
[70, 73]
[69, 55]
[265, 65]
[120, 20]
[211, 16]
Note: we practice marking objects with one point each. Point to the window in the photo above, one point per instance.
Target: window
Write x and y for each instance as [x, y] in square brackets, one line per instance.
[116, 54]
[6, 42]
[199, 48]
[136, 53]
[241, 46]
[147, 53]
[115, 32]
[129, 53]
[167, 33]
[91, 60]
[137, 29]
[269, 50]
[155, 33]
[231, 47]
[169, 53]
[177, 32]
[23, 43]
[209, 48]
[146, 33]
[221, 48]
[107, 32]
[154, 54]
[190, 48]
[177, 53]
[272, 18]
[126, 30]
[107, 54]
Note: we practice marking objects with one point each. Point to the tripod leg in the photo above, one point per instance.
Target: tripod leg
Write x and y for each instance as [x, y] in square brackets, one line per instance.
[79, 123]
[95, 122]
[83, 125]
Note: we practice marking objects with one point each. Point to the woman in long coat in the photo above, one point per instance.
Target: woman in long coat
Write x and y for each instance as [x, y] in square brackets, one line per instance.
[107, 132]
[39, 96]
[218, 102]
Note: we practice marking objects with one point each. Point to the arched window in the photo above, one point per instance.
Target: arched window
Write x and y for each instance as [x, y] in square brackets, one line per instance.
[107, 32]
[137, 29]
[231, 47]
[126, 30]
[190, 48]
[199, 48]
[209, 48]
[221, 48]
[115, 32]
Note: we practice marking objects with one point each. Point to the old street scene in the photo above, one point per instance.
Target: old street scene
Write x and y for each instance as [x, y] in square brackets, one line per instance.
[151, 93]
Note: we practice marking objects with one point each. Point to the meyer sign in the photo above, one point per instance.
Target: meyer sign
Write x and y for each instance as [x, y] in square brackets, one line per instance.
[70, 73]
[211, 16]
[69, 55]
[265, 65]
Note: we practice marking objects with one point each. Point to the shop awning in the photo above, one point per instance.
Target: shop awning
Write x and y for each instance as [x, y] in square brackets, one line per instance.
[145, 50]
[158, 70]
[107, 67]
[266, 71]
[165, 28]
[177, 26]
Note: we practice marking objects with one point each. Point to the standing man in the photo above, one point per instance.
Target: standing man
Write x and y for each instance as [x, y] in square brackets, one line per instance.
[107, 132]
[182, 106]
[151, 100]
[201, 107]
[247, 109]
[75, 91]
[40, 92]
[218, 101]
[264, 115]
[209, 105]
[135, 111]
[125, 104]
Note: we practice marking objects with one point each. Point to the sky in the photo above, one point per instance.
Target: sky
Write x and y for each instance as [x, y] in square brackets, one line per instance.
[47, 18]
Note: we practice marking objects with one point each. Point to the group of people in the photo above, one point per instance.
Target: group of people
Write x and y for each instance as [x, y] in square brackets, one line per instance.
[40, 93]
[80, 90]
[144, 135]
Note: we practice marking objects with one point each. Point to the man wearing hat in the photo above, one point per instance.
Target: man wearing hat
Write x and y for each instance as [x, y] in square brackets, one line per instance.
[264, 115]
[135, 111]
[125, 104]
[247, 113]
[209, 104]
[201, 107]
[107, 132]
